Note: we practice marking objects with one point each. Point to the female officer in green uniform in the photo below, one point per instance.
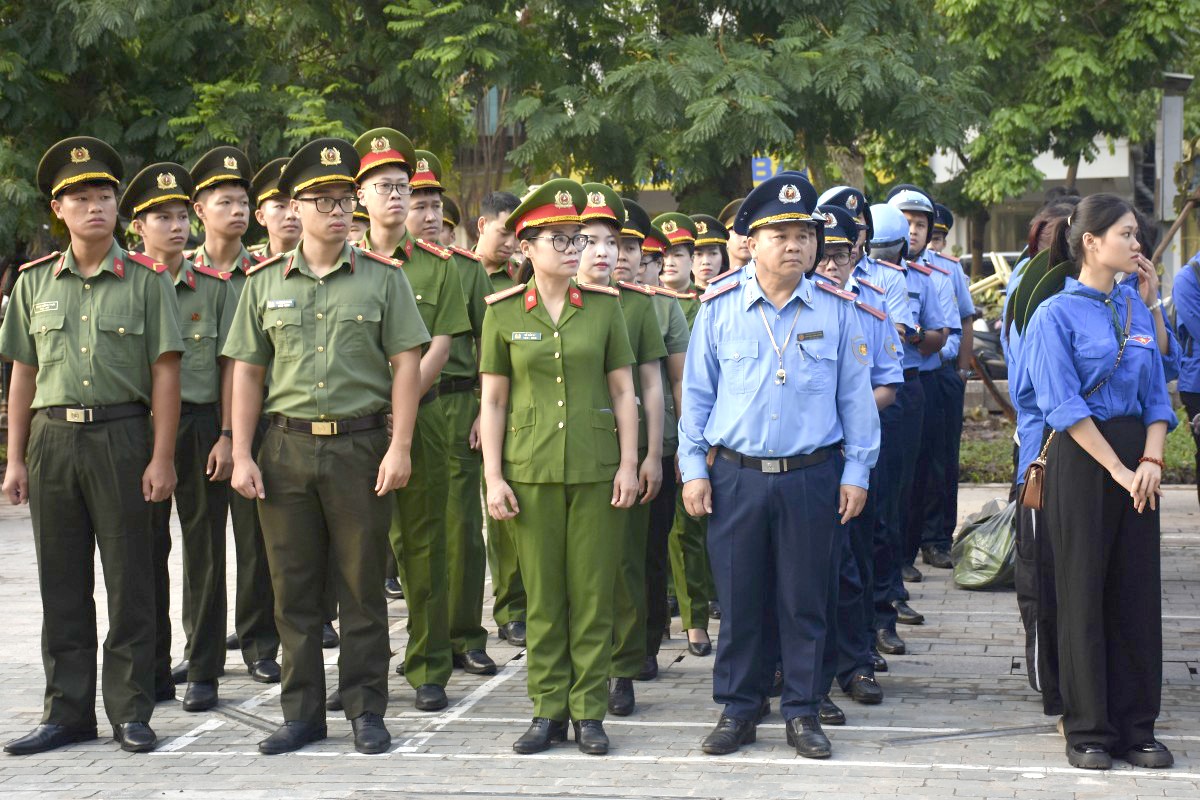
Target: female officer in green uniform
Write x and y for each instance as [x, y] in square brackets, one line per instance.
[559, 433]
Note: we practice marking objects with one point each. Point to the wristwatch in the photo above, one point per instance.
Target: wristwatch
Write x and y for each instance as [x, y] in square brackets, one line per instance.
[227, 432]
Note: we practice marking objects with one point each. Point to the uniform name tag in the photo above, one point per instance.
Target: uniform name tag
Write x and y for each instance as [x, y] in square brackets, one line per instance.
[49, 305]
[273, 304]
[914, 295]
[526, 336]
[810, 336]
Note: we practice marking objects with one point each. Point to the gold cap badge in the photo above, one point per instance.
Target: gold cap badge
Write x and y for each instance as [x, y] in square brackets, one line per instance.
[670, 226]
[595, 200]
[422, 165]
[166, 180]
[380, 144]
[230, 162]
[563, 200]
[789, 194]
[701, 227]
[330, 157]
[80, 155]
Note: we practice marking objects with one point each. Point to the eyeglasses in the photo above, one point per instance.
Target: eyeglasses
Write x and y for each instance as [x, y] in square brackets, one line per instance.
[841, 259]
[561, 241]
[385, 189]
[325, 204]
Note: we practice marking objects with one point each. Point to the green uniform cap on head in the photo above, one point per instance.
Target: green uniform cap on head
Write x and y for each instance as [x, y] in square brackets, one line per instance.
[602, 204]
[555, 202]
[427, 171]
[224, 164]
[729, 212]
[637, 221]
[317, 163]
[380, 146]
[265, 184]
[78, 159]
[451, 215]
[709, 231]
[154, 185]
[678, 228]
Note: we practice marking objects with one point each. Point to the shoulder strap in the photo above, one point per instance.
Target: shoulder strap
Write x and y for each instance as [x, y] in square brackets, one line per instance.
[1120, 350]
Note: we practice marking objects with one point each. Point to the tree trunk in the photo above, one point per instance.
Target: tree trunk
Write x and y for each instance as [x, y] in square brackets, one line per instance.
[1072, 174]
[979, 221]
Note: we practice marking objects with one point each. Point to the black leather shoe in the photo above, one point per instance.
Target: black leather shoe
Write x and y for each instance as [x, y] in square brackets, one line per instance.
[620, 697]
[906, 615]
[513, 632]
[1089, 755]
[649, 669]
[200, 696]
[729, 735]
[135, 737]
[937, 557]
[370, 736]
[776, 689]
[714, 609]
[232, 642]
[888, 642]
[47, 737]
[1150, 755]
[400, 667]
[866, 690]
[430, 697]
[265, 670]
[334, 701]
[179, 672]
[590, 736]
[291, 736]
[673, 605]
[829, 713]
[543, 733]
[475, 662]
[392, 589]
[329, 636]
[805, 734]
[700, 649]
[164, 691]
[878, 662]
[911, 574]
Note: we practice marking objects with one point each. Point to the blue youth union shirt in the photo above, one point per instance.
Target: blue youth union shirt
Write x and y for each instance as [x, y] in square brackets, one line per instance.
[1186, 297]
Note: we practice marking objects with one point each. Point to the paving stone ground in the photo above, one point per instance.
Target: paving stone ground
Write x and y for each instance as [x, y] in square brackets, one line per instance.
[959, 721]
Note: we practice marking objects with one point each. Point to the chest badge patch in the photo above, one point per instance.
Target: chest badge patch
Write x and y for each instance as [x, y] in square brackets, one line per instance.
[1142, 340]
[526, 336]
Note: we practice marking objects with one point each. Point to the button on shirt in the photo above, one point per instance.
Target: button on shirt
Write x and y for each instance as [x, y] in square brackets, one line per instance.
[1071, 345]
[730, 394]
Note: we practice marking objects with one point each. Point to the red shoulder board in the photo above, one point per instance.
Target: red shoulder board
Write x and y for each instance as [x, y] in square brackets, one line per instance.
[872, 310]
[948, 257]
[663, 290]
[711, 293]
[147, 262]
[636, 287]
[437, 250]
[212, 273]
[842, 293]
[726, 274]
[890, 264]
[595, 287]
[275, 259]
[391, 262]
[942, 270]
[37, 261]
[465, 253]
[921, 268]
[509, 292]
[870, 286]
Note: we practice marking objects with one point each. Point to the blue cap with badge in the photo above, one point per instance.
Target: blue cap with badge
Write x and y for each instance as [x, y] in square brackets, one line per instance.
[943, 220]
[853, 202]
[840, 226]
[786, 197]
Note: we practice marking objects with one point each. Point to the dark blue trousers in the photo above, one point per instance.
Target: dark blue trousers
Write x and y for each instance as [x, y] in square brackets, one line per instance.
[910, 401]
[954, 390]
[772, 542]
[929, 476]
[851, 610]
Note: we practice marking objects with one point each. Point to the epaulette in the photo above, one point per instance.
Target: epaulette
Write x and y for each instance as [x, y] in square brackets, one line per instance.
[711, 293]
[436, 249]
[212, 273]
[275, 259]
[921, 268]
[595, 287]
[896, 267]
[942, 270]
[462, 251]
[503, 293]
[870, 286]
[872, 310]
[37, 261]
[636, 287]
[391, 262]
[842, 293]
[663, 290]
[726, 274]
[955, 259]
[147, 262]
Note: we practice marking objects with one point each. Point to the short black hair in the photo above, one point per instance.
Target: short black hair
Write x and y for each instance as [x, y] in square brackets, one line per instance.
[497, 203]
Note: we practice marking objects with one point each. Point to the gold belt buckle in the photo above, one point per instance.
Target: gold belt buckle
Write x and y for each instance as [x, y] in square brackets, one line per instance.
[324, 428]
[77, 415]
[772, 465]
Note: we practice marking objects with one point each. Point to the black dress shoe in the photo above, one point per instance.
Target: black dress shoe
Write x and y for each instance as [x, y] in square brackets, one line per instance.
[392, 589]
[291, 736]
[805, 734]
[829, 713]
[543, 733]
[911, 574]
[475, 662]
[888, 642]
[906, 615]
[620, 697]
[714, 609]
[47, 737]
[729, 735]
[1151, 755]
[400, 667]
[334, 701]
[265, 670]
[135, 737]
[700, 649]
[200, 696]
[513, 632]
[673, 605]
[430, 697]
[179, 672]
[164, 691]
[937, 557]
[329, 636]
[370, 735]
[866, 690]
[878, 662]
[1089, 755]
[590, 736]
[232, 642]
[776, 689]
[649, 669]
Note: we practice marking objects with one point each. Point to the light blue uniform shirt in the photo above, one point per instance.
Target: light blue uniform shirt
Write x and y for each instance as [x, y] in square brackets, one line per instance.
[730, 394]
[895, 290]
[1030, 421]
[965, 307]
[883, 340]
[944, 287]
[1071, 345]
[928, 310]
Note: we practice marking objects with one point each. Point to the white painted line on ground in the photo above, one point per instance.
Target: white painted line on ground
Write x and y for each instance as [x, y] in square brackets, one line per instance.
[180, 742]
[259, 699]
[632, 723]
[459, 709]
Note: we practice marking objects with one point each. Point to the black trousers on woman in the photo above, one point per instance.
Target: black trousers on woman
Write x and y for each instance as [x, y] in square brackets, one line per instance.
[1107, 572]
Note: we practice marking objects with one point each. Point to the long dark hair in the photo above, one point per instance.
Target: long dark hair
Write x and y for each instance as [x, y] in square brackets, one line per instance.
[1045, 218]
[1095, 214]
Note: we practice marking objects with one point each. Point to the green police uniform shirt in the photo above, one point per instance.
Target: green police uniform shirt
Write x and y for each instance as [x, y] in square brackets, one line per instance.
[206, 306]
[326, 341]
[435, 285]
[691, 306]
[676, 335]
[561, 426]
[503, 277]
[242, 265]
[93, 339]
[473, 280]
[645, 339]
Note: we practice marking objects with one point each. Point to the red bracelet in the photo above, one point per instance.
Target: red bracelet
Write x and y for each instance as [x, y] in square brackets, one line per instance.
[1152, 460]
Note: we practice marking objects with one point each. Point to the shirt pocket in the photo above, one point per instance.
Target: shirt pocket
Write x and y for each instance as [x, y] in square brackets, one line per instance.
[282, 325]
[818, 366]
[604, 436]
[199, 345]
[518, 440]
[121, 340]
[358, 329]
[49, 339]
[427, 300]
[737, 360]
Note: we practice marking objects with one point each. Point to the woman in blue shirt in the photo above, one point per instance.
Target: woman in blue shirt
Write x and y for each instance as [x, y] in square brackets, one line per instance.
[1092, 356]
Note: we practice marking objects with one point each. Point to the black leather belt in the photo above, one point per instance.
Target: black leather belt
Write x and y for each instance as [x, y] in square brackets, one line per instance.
[86, 416]
[197, 408]
[778, 465]
[911, 372]
[455, 385]
[333, 428]
[429, 396]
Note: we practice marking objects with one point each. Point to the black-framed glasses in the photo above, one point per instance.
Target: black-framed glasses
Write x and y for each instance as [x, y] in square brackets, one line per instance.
[841, 259]
[325, 204]
[560, 241]
[385, 189]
